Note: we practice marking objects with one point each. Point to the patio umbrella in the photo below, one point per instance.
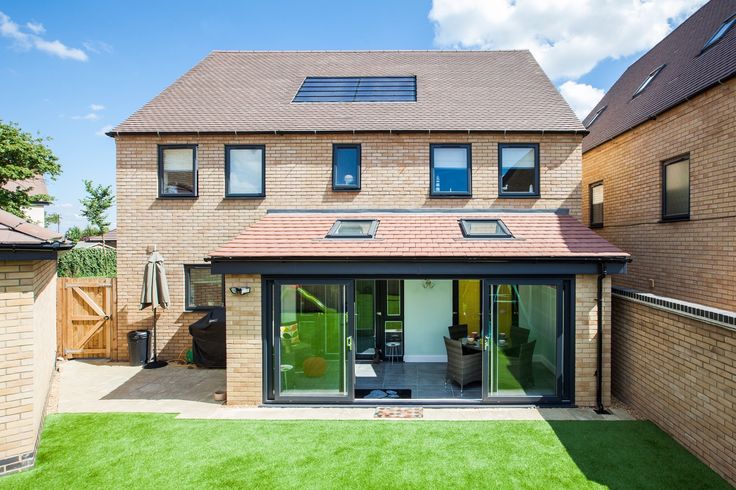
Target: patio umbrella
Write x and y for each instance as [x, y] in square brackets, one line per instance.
[155, 293]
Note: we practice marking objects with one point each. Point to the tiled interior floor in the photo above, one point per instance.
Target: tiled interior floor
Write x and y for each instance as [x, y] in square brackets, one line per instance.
[426, 380]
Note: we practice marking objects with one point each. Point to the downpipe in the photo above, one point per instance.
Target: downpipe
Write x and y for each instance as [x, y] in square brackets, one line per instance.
[600, 409]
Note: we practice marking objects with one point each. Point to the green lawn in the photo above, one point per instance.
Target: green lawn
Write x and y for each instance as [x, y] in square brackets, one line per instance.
[158, 451]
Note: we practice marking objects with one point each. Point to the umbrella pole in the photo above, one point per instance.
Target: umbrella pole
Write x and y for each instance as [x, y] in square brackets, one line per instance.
[155, 363]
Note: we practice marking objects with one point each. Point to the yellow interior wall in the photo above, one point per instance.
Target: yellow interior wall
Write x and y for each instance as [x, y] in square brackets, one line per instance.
[504, 311]
[469, 304]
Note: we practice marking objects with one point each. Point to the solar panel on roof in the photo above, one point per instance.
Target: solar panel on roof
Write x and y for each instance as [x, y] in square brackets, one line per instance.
[358, 89]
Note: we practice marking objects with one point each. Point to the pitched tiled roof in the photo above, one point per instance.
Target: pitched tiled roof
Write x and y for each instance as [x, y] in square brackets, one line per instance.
[427, 235]
[110, 236]
[687, 72]
[15, 232]
[36, 184]
[456, 91]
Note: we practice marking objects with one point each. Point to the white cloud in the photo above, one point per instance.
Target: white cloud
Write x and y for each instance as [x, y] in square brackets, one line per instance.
[568, 37]
[97, 107]
[91, 116]
[35, 27]
[104, 129]
[97, 47]
[581, 97]
[32, 40]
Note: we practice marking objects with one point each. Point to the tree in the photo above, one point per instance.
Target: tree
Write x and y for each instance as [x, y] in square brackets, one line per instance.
[23, 156]
[94, 207]
[54, 219]
[74, 234]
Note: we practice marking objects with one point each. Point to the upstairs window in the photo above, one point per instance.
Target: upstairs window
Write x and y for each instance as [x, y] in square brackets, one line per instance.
[725, 27]
[203, 290]
[484, 228]
[345, 167]
[177, 171]
[245, 171]
[358, 89]
[596, 205]
[676, 189]
[450, 170]
[353, 228]
[518, 174]
[648, 80]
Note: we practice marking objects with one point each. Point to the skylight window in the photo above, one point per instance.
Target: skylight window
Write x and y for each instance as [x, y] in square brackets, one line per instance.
[596, 116]
[353, 228]
[484, 228]
[358, 89]
[648, 80]
[725, 27]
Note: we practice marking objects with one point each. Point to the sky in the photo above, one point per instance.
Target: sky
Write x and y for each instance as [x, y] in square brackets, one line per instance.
[72, 70]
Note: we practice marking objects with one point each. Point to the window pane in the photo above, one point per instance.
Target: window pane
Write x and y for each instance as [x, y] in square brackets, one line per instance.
[677, 188]
[450, 170]
[524, 345]
[596, 205]
[246, 171]
[178, 171]
[353, 228]
[347, 171]
[312, 329]
[484, 228]
[393, 298]
[205, 288]
[518, 172]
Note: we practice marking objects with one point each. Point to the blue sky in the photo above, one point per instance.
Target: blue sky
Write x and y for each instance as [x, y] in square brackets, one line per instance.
[70, 69]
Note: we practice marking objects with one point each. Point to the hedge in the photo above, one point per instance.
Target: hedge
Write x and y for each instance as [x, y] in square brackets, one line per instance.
[88, 262]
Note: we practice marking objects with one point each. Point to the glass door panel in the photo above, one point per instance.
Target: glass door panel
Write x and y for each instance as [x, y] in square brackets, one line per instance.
[313, 340]
[365, 318]
[468, 304]
[524, 338]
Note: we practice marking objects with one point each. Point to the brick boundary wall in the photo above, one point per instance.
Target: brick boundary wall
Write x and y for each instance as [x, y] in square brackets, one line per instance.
[679, 372]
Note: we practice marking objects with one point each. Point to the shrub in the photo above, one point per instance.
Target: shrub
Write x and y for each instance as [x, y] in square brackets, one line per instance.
[88, 262]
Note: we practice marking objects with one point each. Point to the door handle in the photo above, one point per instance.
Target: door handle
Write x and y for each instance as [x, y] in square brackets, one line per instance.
[349, 342]
[486, 343]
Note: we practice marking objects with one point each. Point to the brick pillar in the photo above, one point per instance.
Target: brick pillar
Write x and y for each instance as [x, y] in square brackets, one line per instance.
[244, 352]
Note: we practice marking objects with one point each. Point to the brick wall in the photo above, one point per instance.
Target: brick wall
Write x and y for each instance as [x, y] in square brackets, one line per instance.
[681, 374]
[691, 260]
[27, 356]
[244, 342]
[395, 174]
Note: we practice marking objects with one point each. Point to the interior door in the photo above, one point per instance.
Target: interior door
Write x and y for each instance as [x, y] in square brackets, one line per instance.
[313, 332]
[390, 318]
[523, 341]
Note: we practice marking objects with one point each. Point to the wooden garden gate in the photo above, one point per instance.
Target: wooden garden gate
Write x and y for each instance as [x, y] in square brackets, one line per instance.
[86, 316]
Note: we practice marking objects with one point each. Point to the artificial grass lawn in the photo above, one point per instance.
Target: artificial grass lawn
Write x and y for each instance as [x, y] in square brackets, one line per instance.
[159, 451]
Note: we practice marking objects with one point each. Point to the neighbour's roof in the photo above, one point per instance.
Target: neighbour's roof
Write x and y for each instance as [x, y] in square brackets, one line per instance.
[245, 91]
[36, 184]
[688, 70]
[110, 236]
[417, 235]
[17, 233]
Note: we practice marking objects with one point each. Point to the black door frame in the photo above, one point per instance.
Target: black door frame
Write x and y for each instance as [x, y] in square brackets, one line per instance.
[275, 378]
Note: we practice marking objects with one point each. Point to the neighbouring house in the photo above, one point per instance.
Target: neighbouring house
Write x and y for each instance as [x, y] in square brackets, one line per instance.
[36, 186]
[27, 335]
[109, 239]
[659, 180]
[360, 215]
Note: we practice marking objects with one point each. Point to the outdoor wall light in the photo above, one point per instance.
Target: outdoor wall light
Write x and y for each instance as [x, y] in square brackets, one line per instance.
[240, 290]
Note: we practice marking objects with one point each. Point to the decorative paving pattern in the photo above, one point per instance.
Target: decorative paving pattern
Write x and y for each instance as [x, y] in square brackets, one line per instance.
[399, 413]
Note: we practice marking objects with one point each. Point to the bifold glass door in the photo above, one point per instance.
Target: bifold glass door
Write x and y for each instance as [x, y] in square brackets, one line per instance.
[313, 340]
[524, 341]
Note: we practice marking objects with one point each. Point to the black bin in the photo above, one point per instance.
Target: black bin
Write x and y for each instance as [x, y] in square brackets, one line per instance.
[138, 347]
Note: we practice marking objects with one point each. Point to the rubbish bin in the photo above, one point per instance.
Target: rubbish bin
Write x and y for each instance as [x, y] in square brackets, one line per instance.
[138, 347]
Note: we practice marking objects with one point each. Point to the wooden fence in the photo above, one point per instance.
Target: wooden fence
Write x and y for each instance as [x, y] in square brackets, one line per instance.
[86, 317]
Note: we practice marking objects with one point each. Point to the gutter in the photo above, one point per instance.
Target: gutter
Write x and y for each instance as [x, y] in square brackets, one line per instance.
[115, 133]
[600, 409]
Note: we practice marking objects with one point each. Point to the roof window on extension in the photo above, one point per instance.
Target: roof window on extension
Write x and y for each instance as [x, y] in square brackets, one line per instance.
[721, 32]
[353, 228]
[358, 89]
[648, 80]
[484, 228]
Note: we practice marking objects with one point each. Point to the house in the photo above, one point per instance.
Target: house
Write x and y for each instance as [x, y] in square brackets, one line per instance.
[109, 238]
[659, 181]
[27, 335]
[346, 208]
[37, 189]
